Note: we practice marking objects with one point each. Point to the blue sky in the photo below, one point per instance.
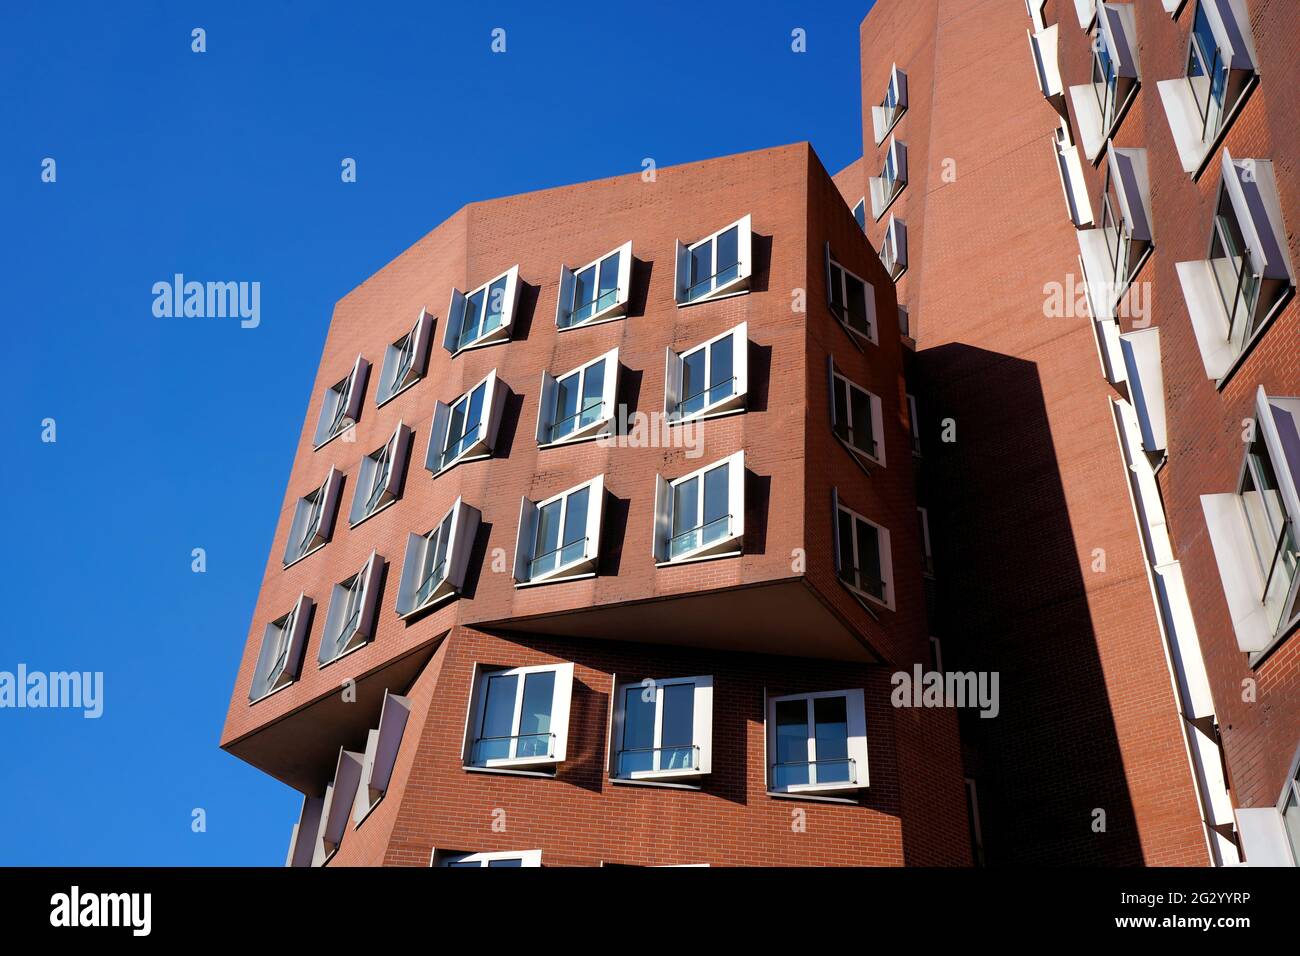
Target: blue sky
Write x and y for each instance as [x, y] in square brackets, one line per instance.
[174, 434]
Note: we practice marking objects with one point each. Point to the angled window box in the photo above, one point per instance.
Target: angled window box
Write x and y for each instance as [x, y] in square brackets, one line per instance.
[380, 476]
[914, 424]
[860, 213]
[341, 407]
[884, 189]
[1036, 14]
[863, 560]
[1086, 11]
[559, 538]
[1100, 104]
[280, 659]
[340, 794]
[466, 430]
[927, 554]
[1255, 532]
[1112, 254]
[313, 519]
[451, 858]
[701, 515]
[891, 109]
[377, 763]
[1247, 277]
[1221, 70]
[893, 250]
[484, 316]
[1266, 837]
[406, 360]
[662, 730]
[350, 623]
[518, 718]
[1070, 168]
[578, 404]
[1047, 69]
[710, 379]
[598, 292]
[436, 563]
[857, 419]
[852, 301]
[817, 743]
[1146, 387]
[717, 266]
[303, 837]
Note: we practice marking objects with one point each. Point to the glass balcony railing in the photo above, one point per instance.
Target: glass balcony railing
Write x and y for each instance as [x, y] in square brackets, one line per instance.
[514, 747]
[643, 759]
[558, 558]
[700, 536]
[795, 773]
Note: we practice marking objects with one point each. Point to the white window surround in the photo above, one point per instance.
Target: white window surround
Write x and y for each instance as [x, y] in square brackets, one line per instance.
[891, 182]
[1146, 386]
[1251, 194]
[1047, 69]
[1070, 168]
[609, 301]
[449, 858]
[1173, 6]
[313, 519]
[840, 774]
[536, 741]
[849, 557]
[591, 415]
[1098, 112]
[1260, 586]
[682, 539]
[574, 557]
[891, 109]
[864, 440]
[843, 288]
[303, 836]
[280, 659]
[725, 377]
[1035, 10]
[1198, 117]
[724, 278]
[406, 360]
[340, 794]
[1106, 335]
[1270, 836]
[493, 305]
[1113, 252]
[380, 476]
[1086, 10]
[380, 757]
[437, 562]
[472, 442]
[691, 760]
[341, 406]
[860, 213]
[893, 248]
[350, 623]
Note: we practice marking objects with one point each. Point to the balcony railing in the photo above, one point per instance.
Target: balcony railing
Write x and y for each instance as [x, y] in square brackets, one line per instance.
[557, 558]
[458, 447]
[538, 745]
[705, 397]
[581, 313]
[786, 773]
[579, 419]
[680, 757]
[430, 583]
[698, 537]
[707, 285]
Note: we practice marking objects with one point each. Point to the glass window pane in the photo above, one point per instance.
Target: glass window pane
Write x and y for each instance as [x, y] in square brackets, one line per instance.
[566, 406]
[508, 861]
[686, 510]
[638, 730]
[717, 517]
[721, 370]
[728, 255]
[1291, 821]
[701, 270]
[837, 287]
[584, 294]
[694, 387]
[831, 733]
[593, 394]
[545, 553]
[469, 331]
[535, 716]
[496, 305]
[860, 404]
[608, 288]
[791, 744]
[678, 732]
[857, 305]
[848, 567]
[456, 426]
[498, 718]
[869, 559]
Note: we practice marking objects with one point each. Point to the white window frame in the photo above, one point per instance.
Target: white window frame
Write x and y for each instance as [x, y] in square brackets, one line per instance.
[675, 375]
[883, 545]
[484, 446]
[458, 527]
[883, 120]
[1109, 271]
[380, 476]
[602, 424]
[737, 285]
[380, 757]
[561, 704]
[447, 858]
[876, 455]
[728, 546]
[340, 796]
[872, 333]
[1112, 26]
[702, 729]
[856, 727]
[891, 182]
[341, 405]
[587, 563]
[456, 314]
[893, 248]
[366, 584]
[279, 661]
[860, 213]
[616, 308]
[393, 377]
[314, 515]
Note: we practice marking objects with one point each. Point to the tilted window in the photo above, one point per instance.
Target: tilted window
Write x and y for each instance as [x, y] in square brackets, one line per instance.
[580, 403]
[1112, 254]
[852, 300]
[436, 563]
[484, 316]
[466, 429]
[817, 742]
[380, 476]
[662, 729]
[380, 758]
[313, 518]
[597, 292]
[892, 107]
[862, 555]
[721, 264]
[702, 514]
[341, 406]
[856, 416]
[280, 659]
[350, 622]
[406, 360]
[519, 717]
[1100, 103]
[893, 250]
[708, 379]
[559, 538]
[891, 181]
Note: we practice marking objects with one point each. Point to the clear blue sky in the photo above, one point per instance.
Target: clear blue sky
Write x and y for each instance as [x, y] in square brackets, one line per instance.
[174, 434]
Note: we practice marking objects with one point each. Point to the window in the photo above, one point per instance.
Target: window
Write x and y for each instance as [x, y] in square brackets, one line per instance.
[1144, 374]
[281, 656]
[1220, 72]
[505, 858]
[559, 538]
[519, 717]
[856, 417]
[406, 359]
[380, 758]
[1247, 276]
[860, 214]
[303, 838]
[1289, 806]
[1100, 103]
[340, 795]
[351, 619]
[709, 379]
[716, 266]
[1047, 69]
[862, 556]
[436, 563]
[893, 177]
[578, 404]
[1070, 168]
[914, 424]
[892, 107]
[466, 430]
[852, 300]
[701, 515]
[313, 519]
[927, 555]
[380, 476]
[484, 316]
[662, 729]
[597, 292]
[1114, 252]
[1254, 532]
[893, 251]
[341, 406]
[817, 742]
[1270, 836]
